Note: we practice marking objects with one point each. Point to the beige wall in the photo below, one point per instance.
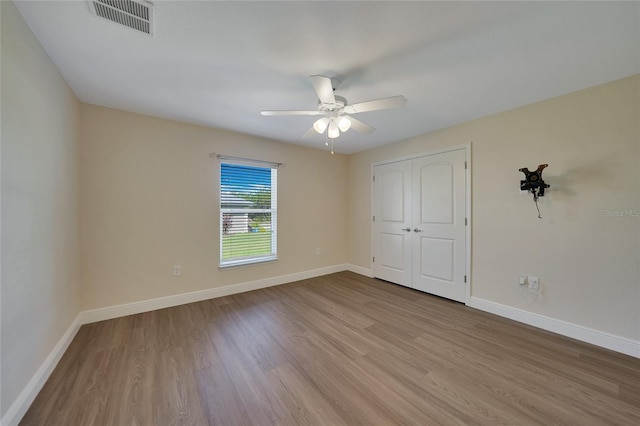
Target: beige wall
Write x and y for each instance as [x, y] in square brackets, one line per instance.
[39, 292]
[587, 261]
[149, 200]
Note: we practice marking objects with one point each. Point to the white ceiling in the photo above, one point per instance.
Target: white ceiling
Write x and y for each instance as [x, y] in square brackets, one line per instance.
[218, 64]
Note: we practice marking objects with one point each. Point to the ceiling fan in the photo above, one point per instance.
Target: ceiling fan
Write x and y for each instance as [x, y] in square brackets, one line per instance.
[336, 112]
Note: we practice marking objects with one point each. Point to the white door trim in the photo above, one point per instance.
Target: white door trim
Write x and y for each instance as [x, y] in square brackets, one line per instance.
[467, 149]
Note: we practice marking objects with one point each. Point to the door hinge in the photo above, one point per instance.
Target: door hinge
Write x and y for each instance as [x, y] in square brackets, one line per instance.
[465, 221]
[465, 165]
[374, 259]
[465, 278]
[374, 218]
[374, 178]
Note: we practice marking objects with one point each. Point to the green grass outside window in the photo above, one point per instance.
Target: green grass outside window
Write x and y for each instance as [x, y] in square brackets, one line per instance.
[246, 244]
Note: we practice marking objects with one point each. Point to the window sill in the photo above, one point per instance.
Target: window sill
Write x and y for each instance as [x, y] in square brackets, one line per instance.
[244, 262]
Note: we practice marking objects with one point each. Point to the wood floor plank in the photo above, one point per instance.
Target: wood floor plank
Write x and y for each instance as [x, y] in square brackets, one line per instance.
[409, 383]
[341, 349]
[261, 403]
[131, 391]
[312, 361]
[305, 404]
[175, 385]
[480, 406]
[331, 309]
[219, 397]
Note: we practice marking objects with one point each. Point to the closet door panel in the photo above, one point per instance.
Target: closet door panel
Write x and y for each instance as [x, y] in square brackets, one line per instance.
[439, 196]
[392, 239]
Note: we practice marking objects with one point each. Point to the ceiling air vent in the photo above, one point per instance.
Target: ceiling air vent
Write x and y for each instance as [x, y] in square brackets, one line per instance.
[133, 14]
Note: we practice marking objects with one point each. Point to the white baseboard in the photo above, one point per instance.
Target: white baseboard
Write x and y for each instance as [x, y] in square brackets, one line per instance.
[367, 272]
[578, 332]
[22, 403]
[110, 312]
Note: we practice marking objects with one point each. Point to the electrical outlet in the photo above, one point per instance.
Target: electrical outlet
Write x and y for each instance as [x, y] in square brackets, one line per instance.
[177, 270]
[534, 283]
[318, 251]
[522, 281]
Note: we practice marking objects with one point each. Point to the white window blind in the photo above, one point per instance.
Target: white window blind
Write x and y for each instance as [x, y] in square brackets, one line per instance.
[248, 213]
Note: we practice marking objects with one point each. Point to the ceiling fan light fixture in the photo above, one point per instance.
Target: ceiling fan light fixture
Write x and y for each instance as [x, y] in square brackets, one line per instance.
[344, 123]
[333, 131]
[334, 110]
[321, 125]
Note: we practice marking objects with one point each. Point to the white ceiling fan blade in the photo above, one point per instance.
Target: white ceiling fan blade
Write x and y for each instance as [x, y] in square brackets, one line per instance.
[360, 126]
[292, 112]
[377, 104]
[324, 89]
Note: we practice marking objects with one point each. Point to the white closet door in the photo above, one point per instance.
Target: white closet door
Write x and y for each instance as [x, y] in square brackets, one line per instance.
[419, 229]
[439, 233]
[392, 232]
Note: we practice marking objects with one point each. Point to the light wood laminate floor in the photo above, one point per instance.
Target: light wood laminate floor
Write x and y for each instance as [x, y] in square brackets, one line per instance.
[338, 349]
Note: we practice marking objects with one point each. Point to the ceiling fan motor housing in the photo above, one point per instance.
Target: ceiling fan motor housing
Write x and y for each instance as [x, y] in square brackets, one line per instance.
[340, 103]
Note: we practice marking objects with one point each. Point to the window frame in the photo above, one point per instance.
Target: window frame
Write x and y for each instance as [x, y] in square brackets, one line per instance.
[273, 210]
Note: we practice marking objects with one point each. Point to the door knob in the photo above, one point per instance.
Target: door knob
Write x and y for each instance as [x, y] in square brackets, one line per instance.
[406, 229]
[417, 230]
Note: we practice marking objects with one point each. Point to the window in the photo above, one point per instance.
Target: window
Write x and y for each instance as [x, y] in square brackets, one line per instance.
[248, 213]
